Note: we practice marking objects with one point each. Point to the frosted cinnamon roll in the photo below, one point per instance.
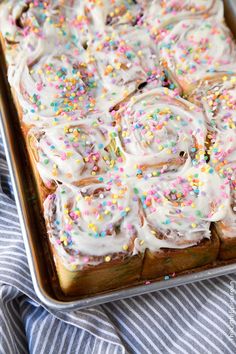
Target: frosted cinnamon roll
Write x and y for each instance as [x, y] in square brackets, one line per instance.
[72, 153]
[92, 225]
[216, 93]
[160, 132]
[19, 18]
[194, 48]
[124, 62]
[161, 15]
[178, 208]
[30, 26]
[57, 88]
[223, 159]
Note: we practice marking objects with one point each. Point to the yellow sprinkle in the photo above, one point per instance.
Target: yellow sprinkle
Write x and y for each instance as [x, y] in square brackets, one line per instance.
[233, 80]
[125, 247]
[193, 225]
[108, 69]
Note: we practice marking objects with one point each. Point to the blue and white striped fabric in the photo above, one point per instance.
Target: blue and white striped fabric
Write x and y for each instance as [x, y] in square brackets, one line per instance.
[196, 318]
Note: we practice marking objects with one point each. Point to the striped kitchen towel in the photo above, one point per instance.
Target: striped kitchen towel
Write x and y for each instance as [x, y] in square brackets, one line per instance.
[195, 318]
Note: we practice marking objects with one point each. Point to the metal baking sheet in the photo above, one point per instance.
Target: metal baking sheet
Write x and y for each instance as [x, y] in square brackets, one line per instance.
[34, 235]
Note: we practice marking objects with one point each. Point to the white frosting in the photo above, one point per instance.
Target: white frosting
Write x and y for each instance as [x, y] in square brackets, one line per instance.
[62, 87]
[31, 30]
[160, 130]
[78, 69]
[69, 153]
[195, 47]
[178, 207]
[223, 159]
[161, 13]
[68, 84]
[113, 13]
[173, 211]
[217, 95]
[88, 224]
[124, 60]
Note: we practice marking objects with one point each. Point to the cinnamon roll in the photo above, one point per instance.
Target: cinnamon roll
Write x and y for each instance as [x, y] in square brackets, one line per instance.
[58, 88]
[223, 159]
[32, 27]
[177, 211]
[194, 48]
[161, 15]
[124, 62]
[73, 153]
[216, 94]
[93, 231]
[160, 132]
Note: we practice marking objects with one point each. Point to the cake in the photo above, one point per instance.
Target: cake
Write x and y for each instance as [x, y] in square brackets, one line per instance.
[127, 109]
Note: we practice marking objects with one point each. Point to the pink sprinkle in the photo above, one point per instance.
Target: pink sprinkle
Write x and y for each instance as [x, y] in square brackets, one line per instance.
[39, 86]
[68, 227]
[129, 227]
[63, 156]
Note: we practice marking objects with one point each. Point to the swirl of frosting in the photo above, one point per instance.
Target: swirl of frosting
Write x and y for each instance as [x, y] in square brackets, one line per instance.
[160, 131]
[19, 18]
[161, 15]
[216, 93]
[124, 62]
[91, 225]
[57, 88]
[71, 153]
[178, 208]
[32, 27]
[193, 48]
[69, 84]
[111, 13]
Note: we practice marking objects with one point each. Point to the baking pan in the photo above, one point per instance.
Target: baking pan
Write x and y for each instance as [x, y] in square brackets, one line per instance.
[33, 230]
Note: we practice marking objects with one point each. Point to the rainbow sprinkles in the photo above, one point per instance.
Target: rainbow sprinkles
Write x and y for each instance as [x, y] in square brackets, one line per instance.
[128, 109]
